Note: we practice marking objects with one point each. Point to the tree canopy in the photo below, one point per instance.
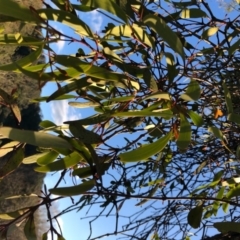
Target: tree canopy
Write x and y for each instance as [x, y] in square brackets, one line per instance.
[161, 79]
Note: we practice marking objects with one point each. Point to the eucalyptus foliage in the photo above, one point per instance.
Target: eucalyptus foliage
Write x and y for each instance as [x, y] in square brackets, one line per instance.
[162, 77]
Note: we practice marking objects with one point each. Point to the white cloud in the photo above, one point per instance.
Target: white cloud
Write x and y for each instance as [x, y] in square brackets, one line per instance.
[96, 20]
[62, 112]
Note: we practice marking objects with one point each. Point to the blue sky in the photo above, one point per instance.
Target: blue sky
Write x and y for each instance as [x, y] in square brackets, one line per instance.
[60, 111]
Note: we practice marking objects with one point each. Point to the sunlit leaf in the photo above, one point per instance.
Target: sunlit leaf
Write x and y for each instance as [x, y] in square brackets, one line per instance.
[64, 163]
[47, 158]
[15, 159]
[12, 215]
[234, 192]
[164, 31]
[209, 32]
[195, 216]
[83, 104]
[8, 147]
[33, 158]
[146, 151]
[75, 190]
[34, 138]
[193, 13]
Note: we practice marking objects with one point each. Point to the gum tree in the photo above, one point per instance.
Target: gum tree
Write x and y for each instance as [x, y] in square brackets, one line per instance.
[163, 78]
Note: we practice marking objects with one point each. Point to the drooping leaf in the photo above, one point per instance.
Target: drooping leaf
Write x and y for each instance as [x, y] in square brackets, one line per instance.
[86, 136]
[66, 18]
[74, 190]
[172, 71]
[197, 119]
[83, 104]
[233, 117]
[234, 47]
[227, 226]
[34, 138]
[130, 32]
[33, 158]
[195, 216]
[109, 6]
[216, 132]
[146, 151]
[209, 32]
[193, 92]
[165, 32]
[12, 215]
[29, 229]
[47, 158]
[234, 192]
[184, 134]
[15, 159]
[8, 147]
[228, 99]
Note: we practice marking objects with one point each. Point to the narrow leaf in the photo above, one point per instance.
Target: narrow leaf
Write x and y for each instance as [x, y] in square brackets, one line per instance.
[193, 92]
[185, 133]
[227, 226]
[146, 151]
[193, 13]
[197, 119]
[228, 99]
[75, 190]
[158, 25]
[34, 138]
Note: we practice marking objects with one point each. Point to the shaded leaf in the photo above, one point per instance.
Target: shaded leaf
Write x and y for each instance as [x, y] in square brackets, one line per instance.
[75, 190]
[193, 13]
[228, 99]
[233, 117]
[146, 151]
[161, 28]
[193, 92]
[185, 133]
[227, 226]
[197, 119]
[86, 136]
[29, 229]
[195, 216]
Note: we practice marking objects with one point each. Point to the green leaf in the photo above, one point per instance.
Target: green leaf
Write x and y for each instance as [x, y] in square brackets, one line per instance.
[17, 11]
[66, 18]
[195, 216]
[88, 69]
[185, 133]
[159, 95]
[111, 55]
[8, 147]
[34, 138]
[84, 104]
[133, 31]
[209, 32]
[197, 119]
[193, 13]
[172, 71]
[109, 6]
[165, 32]
[233, 117]
[216, 204]
[234, 47]
[146, 151]
[193, 92]
[166, 114]
[76, 84]
[13, 162]
[200, 167]
[18, 39]
[62, 97]
[86, 136]
[227, 226]
[12, 215]
[47, 158]
[29, 229]
[64, 163]
[23, 62]
[75, 190]
[33, 158]
[45, 236]
[228, 99]
[216, 132]
[234, 192]
[91, 120]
